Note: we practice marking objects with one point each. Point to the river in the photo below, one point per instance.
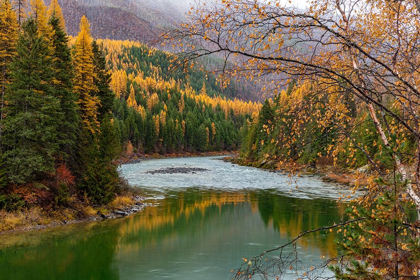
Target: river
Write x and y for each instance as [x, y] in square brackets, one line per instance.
[199, 225]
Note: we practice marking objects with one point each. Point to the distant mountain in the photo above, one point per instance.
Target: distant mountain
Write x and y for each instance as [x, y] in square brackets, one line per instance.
[142, 20]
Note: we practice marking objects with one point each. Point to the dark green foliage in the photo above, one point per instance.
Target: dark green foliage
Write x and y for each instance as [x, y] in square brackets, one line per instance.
[42, 140]
[11, 202]
[102, 80]
[62, 66]
[201, 138]
[99, 176]
[142, 133]
[30, 136]
[3, 175]
[62, 198]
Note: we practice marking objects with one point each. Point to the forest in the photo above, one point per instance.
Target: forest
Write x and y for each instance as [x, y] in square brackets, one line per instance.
[72, 106]
[158, 110]
[344, 80]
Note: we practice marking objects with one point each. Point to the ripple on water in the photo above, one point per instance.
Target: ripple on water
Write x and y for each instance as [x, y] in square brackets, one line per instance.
[223, 175]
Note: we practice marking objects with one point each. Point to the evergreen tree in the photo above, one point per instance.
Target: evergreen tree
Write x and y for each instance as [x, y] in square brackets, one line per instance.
[102, 80]
[99, 141]
[30, 129]
[264, 123]
[99, 180]
[201, 138]
[3, 176]
[8, 37]
[63, 84]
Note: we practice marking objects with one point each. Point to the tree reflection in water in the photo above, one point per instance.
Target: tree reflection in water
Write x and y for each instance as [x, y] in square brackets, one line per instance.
[191, 233]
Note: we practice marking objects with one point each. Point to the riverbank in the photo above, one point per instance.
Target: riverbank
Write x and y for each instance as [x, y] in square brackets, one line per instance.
[126, 203]
[328, 173]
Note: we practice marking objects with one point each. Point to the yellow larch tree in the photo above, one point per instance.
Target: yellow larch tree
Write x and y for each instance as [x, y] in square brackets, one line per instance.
[84, 77]
[9, 29]
[131, 100]
[213, 130]
[152, 101]
[156, 119]
[119, 83]
[203, 90]
[142, 111]
[39, 14]
[20, 8]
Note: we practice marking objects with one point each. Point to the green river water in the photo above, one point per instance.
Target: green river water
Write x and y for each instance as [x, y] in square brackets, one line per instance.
[195, 226]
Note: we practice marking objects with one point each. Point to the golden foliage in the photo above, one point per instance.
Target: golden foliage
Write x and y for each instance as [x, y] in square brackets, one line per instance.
[84, 77]
[55, 9]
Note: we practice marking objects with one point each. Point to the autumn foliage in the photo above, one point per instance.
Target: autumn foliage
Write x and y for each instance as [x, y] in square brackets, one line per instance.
[351, 70]
[159, 109]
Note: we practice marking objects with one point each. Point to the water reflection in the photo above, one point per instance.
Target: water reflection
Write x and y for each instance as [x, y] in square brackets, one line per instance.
[190, 234]
[81, 252]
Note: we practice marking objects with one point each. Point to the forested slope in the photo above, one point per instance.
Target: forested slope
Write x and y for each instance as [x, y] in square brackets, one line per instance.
[162, 110]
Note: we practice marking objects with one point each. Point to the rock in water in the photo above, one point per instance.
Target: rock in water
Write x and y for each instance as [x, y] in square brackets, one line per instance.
[173, 170]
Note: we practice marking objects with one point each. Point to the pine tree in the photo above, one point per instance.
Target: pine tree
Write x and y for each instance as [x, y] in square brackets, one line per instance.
[201, 138]
[99, 141]
[84, 80]
[102, 81]
[264, 123]
[99, 179]
[30, 128]
[63, 84]
[3, 175]
[8, 37]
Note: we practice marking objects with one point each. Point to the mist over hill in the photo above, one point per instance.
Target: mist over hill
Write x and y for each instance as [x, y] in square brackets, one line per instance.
[141, 20]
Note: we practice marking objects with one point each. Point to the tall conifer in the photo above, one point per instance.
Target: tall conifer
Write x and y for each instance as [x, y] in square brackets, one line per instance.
[84, 80]
[102, 81]
[9, 29]
[63, 84]
[30, 128]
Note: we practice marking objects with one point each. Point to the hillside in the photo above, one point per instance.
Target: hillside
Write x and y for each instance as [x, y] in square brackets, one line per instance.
[123, 19]
[157, 110]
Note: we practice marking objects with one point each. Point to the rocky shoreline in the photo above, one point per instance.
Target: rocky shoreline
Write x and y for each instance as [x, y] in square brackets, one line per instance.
[117, 213]
[125, 211]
